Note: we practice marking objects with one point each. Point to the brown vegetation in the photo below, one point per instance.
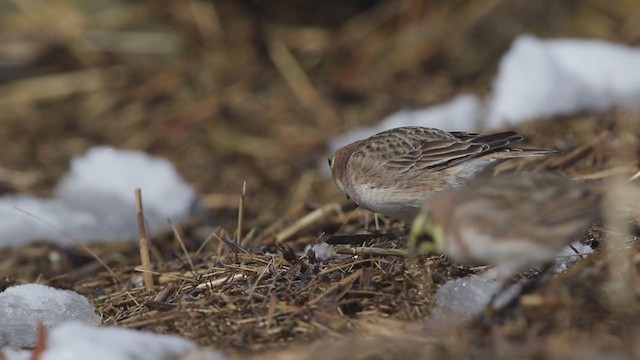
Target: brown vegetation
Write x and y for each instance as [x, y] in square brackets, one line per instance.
[235, 91]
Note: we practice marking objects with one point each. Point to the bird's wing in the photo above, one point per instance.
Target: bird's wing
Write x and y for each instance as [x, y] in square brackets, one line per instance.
[429, 154]
[435, 155]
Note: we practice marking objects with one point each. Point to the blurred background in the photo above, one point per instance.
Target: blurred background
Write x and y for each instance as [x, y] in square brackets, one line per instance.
[235, 91]
[250, 90]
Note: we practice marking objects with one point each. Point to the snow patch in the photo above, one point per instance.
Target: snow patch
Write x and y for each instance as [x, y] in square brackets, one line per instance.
[22, 307]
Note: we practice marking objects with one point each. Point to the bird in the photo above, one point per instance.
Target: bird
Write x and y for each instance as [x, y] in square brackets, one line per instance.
[512, 221]
[394, 172]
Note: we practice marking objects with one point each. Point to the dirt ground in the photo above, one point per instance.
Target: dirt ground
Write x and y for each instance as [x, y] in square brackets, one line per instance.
[251, 91]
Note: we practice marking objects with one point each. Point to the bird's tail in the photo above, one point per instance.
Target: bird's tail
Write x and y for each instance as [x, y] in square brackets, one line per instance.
[525, 152]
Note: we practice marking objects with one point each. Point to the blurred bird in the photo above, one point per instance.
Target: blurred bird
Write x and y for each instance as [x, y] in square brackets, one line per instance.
[511, 221]
[394, 172]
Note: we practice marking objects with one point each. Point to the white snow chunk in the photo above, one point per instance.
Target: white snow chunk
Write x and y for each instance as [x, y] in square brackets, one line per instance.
[23, 306]
[541, 78]
[79, 341]
[322, 250]
[462, 113]
[16, 354]
[96, 202]
[567, 257]
[111, 175]
[461, 299]
[17, 227]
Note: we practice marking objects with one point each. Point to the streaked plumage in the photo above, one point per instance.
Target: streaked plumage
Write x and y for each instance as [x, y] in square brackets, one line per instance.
[511, 221]
[396, 171]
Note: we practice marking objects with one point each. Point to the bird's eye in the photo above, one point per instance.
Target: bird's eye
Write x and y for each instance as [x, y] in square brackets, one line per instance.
[330, 162]
[424, 238]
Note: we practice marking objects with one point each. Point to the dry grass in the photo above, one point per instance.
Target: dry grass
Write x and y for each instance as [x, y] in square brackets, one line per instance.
[234, 91]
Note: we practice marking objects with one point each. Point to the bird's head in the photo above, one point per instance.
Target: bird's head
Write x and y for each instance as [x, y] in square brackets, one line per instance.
[338, 164]
[426, 235]
[336, 174]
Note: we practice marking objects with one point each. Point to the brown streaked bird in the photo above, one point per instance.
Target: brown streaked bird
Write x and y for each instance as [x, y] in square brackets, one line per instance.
[394, 172]
[511, 221]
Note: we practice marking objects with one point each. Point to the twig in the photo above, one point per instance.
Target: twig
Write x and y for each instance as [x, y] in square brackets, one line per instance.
[144, 243]
[51, 87]
[153, 318]
[44, 15]
[370, 251]
[230, 243]
[253, 287]
[220, 201]
[205, 242]
[604, 174]
[273, 301]
[307, 220]
[300, 84]
[177, 232]
[572, 157]
[41, 343]
[268, 234]
[207, 20]
[241, 213]
[220, 281]
[164, 294]
[345, 284]
[18, 179]
[248, 237]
